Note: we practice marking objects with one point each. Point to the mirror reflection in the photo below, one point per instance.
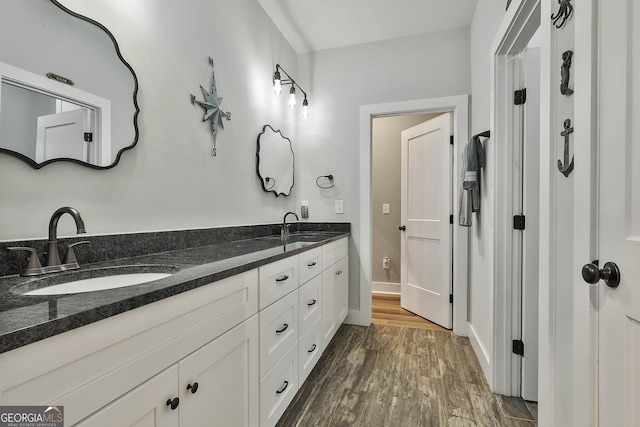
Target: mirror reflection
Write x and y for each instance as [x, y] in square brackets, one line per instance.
[88, 114]
[275, 161]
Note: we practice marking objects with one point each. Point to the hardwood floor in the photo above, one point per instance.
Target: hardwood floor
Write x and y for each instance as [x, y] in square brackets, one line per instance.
[385, 375]
[387, 311]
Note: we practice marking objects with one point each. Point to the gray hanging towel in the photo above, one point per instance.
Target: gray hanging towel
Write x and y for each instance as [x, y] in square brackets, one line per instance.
[473, 160]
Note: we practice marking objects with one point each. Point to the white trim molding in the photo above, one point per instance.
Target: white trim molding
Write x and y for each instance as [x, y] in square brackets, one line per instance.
[459, 106]
[520, 23]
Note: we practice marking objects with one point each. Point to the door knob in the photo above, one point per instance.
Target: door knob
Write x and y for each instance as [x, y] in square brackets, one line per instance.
[402, 228]
[610, 273]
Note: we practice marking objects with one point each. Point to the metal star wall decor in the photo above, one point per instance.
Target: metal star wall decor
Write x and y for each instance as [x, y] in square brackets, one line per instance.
[211, 105]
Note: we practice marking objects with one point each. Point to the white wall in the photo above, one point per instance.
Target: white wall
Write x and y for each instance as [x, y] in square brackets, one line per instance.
[340, 81]
[486, 21]
[170, 180]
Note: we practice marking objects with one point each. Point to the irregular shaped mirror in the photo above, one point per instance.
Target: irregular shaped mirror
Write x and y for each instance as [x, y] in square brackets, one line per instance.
[275, 161]
[66, 92]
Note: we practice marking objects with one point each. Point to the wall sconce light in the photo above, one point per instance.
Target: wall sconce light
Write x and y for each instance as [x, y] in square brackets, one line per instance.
[278, 82]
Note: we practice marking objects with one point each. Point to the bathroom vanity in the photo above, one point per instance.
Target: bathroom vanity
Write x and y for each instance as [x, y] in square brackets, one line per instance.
[224, 341]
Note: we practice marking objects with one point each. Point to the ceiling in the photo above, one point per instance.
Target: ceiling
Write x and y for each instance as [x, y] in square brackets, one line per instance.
[310, 25]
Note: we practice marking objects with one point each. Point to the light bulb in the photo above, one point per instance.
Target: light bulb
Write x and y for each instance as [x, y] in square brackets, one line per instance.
[292, 97]
[305, 108]
[277, 83]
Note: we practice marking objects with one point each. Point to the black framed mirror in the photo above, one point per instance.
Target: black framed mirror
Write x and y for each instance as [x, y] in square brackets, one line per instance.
[275, 162]
[66, 92]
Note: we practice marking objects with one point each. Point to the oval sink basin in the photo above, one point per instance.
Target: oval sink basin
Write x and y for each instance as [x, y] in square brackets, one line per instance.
[94, 280]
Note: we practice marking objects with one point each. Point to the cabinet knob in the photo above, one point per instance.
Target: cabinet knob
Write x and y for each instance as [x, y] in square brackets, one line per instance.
[173, 403]
[193, 387]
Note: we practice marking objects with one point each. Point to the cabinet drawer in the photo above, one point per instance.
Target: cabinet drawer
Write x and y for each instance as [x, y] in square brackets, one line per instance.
[309, 303]
[309, 264]
[309, 350]
[334, 251]
[278, 388]
[278, 330]
[277, 279]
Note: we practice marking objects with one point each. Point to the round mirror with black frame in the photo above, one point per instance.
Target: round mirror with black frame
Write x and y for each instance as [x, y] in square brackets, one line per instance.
[275, 162]
[66, 92]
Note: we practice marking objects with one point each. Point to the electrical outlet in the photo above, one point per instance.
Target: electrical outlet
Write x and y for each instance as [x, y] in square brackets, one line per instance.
[339, 206]
[385, 209]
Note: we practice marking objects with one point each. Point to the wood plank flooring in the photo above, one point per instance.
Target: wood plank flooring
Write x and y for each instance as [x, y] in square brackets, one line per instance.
[385, 375]
[387, 311]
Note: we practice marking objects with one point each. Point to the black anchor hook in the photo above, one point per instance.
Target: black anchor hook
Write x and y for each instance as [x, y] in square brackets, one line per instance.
[568, 165]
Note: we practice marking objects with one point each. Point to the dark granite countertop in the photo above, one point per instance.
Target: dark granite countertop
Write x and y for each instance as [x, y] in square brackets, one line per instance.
[27, 319]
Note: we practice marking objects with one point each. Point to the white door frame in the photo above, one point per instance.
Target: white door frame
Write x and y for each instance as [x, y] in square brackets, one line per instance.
[459, 106]
[520, 23]
[585, 231]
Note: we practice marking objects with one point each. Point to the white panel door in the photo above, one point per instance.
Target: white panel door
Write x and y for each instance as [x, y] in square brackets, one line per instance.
[226, 374]
[426, 245]
[61, 135]
[144, 406]
[619, 211]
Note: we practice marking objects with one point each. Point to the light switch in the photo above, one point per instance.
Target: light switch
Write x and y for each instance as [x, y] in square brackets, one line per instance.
[339, 206]
[385, 208]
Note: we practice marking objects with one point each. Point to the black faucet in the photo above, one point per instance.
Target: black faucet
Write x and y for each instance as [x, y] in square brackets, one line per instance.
[284, 233]
[52, 256]
[53, 259]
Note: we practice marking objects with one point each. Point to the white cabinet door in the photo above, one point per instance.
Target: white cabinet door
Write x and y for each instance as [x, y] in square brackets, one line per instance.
[341, 290]
[277, 280]
[328, 305]
[309, 350]
[309, 264]
[278, 388]
[226, 374]
[144, 406]
[309, 304]
[278, 330]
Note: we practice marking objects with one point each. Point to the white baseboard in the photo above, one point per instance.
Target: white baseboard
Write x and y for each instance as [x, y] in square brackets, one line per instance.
[482, 355]
[386, 287]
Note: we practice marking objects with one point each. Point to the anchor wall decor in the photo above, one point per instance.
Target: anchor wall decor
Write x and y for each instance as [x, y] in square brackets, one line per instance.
[568, 165]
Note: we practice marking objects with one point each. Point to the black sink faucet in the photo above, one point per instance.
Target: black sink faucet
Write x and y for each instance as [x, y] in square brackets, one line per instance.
[52, 256]
[284, 233]
[34, 268]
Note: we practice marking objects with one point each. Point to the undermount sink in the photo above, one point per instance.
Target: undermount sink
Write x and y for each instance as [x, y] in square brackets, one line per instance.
[94, 280]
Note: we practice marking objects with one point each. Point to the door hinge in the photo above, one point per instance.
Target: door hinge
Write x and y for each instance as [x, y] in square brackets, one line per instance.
[518, 347]
[520, 96]
[450, 298]
[451, 139]
[88, 137]
[518, 222]
[450, 219]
